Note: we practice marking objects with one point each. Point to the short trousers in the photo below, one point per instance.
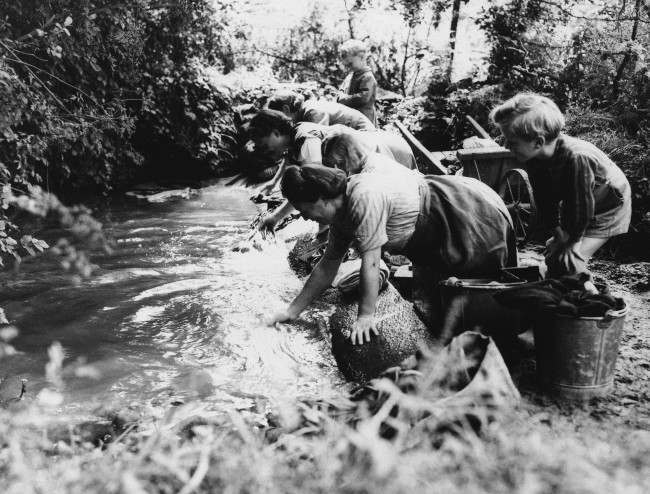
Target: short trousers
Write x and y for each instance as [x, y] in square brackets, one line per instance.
[614, 221]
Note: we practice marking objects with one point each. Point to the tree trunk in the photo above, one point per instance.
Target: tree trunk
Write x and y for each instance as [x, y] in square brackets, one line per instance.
[616, 85]
[350, 19]
[455, 13]
[406, 57]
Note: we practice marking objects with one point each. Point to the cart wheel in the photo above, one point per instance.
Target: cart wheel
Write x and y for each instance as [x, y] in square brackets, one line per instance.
[517, 193]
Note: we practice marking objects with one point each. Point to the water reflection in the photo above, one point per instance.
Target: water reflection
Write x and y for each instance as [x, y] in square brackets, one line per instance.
[172, 314]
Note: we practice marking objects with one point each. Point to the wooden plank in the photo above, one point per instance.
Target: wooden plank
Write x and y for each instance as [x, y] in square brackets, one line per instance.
[483, 153]
[437, 167]
[477, 127]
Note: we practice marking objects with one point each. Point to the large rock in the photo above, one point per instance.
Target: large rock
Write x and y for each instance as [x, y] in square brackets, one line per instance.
[401, 334]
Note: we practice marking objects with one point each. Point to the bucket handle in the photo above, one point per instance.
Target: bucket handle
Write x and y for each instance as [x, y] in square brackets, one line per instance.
[610, 315]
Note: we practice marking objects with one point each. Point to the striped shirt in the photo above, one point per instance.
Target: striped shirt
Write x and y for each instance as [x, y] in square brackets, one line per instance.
[576, 185]
[381, 210]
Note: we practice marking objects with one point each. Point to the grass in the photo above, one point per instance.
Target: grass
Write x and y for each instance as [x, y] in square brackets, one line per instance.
[332, 447]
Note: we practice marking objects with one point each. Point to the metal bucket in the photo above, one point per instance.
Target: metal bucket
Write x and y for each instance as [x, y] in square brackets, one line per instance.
[576, 356]
[468, 304]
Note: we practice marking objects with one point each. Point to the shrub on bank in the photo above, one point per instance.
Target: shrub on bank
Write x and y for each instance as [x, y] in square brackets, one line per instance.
[90, 91]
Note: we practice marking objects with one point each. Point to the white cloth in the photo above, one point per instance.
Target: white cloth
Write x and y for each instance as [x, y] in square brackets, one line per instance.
[348, 276]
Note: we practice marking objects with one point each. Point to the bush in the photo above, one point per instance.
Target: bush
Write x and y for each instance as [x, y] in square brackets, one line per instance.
[438, 118]
[91, 90]
[185, 120]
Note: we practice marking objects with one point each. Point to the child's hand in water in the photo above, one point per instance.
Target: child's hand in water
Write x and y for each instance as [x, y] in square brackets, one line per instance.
[280, 317]
[268, 223]
[266, 189]
[362, 329]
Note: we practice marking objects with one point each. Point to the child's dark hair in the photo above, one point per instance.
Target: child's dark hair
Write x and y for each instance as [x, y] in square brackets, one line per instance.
[266, 121]
[309, 183]
[286, 98]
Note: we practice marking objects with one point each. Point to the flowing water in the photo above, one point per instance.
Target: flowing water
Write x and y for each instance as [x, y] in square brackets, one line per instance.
[170, 315]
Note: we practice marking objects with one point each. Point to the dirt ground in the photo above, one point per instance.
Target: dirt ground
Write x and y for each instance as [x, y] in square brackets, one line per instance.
[625, 413]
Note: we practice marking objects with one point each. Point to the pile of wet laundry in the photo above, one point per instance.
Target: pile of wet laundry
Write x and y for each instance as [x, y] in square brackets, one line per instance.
[566, 295]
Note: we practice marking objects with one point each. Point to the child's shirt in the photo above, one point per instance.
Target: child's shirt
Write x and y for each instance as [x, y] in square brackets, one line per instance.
[382, 206]
[361, 93]
[577, 185]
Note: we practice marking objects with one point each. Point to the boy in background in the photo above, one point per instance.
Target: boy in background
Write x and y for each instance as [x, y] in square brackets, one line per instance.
[360, 87]
[588, 197]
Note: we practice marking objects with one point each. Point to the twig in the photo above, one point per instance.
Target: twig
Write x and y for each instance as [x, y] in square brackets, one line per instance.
[47, 23]
[54, 96]
[349, 19]
[200, 472]
[568, 12]
[406, 57]
[284, 59]
[53, 76]
[523, 41]
[628, 54]
[123, 435]
[30, 55]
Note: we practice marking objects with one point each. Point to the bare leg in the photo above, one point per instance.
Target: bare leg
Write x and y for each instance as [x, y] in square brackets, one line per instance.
[589, 245]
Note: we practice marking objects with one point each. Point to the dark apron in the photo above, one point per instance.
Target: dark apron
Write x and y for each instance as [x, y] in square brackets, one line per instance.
[463, 230]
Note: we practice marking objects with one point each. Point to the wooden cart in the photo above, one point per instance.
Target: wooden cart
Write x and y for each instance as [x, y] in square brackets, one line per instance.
[494, 166]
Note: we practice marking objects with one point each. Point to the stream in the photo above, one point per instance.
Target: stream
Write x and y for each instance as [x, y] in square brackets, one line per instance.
[172, 314]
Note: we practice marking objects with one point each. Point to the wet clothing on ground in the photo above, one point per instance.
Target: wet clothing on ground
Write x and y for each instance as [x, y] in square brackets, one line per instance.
[324, 112]
[582, 190]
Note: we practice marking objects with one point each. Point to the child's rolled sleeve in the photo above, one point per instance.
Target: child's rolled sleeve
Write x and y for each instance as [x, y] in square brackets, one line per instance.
[368, 212]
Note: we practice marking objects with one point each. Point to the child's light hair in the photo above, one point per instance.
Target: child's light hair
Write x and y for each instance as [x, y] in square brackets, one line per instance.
[353, 47]
[529, 116]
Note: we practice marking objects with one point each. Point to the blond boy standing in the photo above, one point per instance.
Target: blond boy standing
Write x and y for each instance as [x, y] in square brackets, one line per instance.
[360, 87]
[588, 197]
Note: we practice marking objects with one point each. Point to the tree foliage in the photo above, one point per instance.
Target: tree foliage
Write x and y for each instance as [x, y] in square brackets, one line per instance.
[90, 90]
[599, 73]
[309, 49]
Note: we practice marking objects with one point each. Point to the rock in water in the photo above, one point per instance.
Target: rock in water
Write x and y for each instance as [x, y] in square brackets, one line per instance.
[401, 334]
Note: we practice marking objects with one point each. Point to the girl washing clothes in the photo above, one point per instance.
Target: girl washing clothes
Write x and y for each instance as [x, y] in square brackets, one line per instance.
[458, 226]
[276, 135]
